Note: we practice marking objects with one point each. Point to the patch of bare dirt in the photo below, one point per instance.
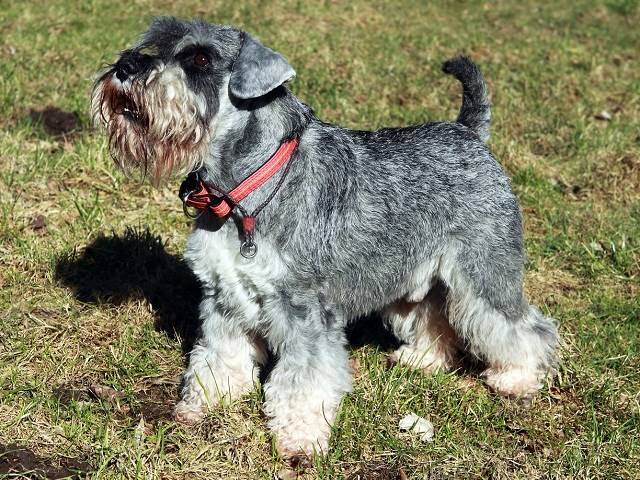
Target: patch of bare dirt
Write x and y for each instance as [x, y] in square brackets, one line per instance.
[56, 122]
[378, 471]
[16, 460]
[153, 402]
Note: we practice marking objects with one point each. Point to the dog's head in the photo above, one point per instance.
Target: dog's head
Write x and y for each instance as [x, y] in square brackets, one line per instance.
[165, 99]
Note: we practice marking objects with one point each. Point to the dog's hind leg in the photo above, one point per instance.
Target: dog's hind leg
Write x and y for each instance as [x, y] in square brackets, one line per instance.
[222, 366]
[429, 342]
[518, 364]
[488, 310]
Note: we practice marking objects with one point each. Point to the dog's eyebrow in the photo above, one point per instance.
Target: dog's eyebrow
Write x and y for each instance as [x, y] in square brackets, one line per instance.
[199, 46]
[193, 42]
[208, 50]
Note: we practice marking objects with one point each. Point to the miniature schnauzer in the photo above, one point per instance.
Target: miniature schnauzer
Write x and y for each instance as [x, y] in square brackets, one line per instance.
[304, 226]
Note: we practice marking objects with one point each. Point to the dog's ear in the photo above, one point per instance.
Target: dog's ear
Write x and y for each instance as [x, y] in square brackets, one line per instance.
[258, 70]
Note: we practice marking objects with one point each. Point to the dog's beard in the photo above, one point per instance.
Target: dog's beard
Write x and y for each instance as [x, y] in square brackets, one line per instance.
[155, 125]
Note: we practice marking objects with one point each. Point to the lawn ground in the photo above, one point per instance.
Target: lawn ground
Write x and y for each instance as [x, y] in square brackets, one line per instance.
[96, 301]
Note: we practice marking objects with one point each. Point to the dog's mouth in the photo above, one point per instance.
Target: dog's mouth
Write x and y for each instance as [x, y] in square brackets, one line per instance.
[125, 106]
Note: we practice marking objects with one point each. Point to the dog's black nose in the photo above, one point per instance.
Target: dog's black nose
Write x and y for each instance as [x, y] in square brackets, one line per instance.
[129, 65]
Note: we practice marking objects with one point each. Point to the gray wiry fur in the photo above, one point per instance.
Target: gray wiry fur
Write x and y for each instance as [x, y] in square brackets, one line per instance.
[258, 70]
[417, 223]
[476, 111]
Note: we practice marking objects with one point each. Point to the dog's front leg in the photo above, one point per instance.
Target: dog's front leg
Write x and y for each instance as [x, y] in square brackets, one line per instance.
[303, 392]
[222, 366]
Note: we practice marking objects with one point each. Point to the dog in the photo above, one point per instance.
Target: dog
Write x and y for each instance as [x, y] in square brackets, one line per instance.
[303, 226]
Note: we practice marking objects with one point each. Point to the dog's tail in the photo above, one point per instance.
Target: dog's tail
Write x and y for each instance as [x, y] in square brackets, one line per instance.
[475, 112]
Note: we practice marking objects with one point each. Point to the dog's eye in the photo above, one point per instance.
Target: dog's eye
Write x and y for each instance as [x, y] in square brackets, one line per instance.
[200, 60]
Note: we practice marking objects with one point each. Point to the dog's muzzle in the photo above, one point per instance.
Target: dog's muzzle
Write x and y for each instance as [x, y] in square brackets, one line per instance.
[124, 105]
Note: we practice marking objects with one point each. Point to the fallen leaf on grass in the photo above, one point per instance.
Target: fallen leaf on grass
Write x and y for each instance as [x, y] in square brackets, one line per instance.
[38, 223]
[142, 430]
[603, 115]
[106, 393]
[165, 381]
[109, 395]
[286, 474]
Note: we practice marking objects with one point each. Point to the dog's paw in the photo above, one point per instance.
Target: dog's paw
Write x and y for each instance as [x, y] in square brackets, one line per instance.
[189, 413]
[514, 383]
[298, 454]
[298, 462]
[427, 362]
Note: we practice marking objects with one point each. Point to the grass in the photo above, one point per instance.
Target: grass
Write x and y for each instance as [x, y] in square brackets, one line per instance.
[96, 302]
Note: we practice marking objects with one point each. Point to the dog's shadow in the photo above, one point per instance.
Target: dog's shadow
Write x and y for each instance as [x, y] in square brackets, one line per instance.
[115, 269]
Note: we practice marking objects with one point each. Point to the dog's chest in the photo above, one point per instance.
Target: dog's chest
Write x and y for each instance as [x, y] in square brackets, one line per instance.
[240, 284]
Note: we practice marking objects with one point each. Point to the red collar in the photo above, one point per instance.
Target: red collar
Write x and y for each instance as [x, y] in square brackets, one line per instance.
[200, 195]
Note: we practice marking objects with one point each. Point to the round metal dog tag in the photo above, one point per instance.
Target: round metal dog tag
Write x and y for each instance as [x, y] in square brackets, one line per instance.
[248, 249]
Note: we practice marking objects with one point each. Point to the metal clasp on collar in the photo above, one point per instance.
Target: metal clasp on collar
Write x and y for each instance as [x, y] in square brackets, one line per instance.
[189, 186]
[248, 249]
[185, 207]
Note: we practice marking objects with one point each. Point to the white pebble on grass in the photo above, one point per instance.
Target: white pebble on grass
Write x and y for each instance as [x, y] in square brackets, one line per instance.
[418, 425]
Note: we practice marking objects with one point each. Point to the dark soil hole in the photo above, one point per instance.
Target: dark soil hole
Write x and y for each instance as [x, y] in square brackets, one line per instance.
[378, 471]
[156, 403]
[17, 460]
[56, 122]
[68, 393]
